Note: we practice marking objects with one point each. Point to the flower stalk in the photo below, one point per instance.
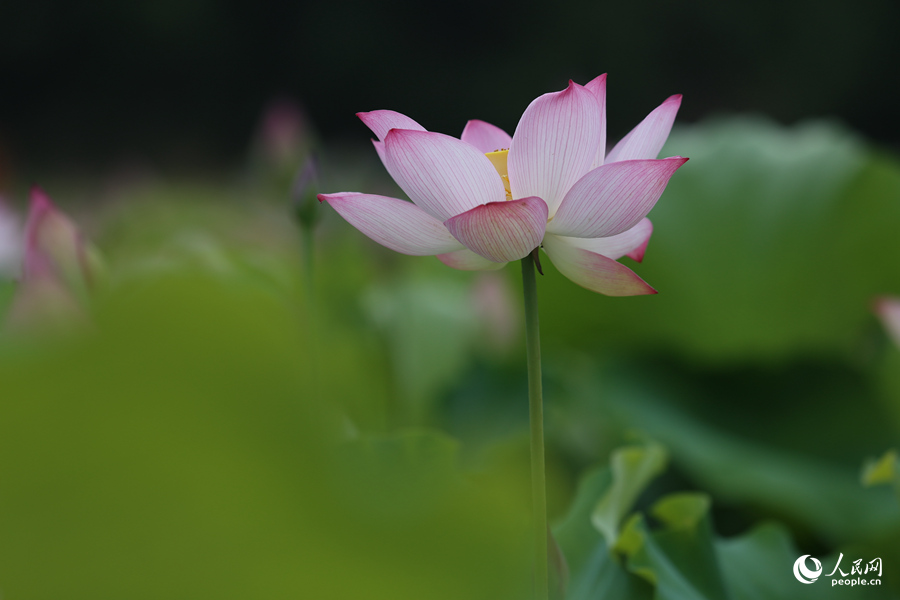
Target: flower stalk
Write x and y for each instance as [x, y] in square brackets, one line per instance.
[536, 418]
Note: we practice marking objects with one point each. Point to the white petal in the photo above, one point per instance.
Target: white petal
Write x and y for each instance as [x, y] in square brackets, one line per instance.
[382, 121]
[397, 224]
[501, 231]
[613, 198]
[554, 144]
[631, 243]
[441, 174]
[648, 138]
[485, 137]
[594, 271]
[597, 86]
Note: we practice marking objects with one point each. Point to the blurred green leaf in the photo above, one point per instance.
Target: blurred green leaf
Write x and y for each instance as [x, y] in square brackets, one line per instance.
[888, 382]
[813, 492]
[594, 573]
[178, 450]
[420, 463]
[7, 288]
[430, 329]
[558, 569]
[681, 511]
[575, 535]
[414, 509]
[882, 470]
[757, 566]
[769, 243]
[191, 226]
[683, 559]
[605, 577]
[679, 559]
[633, 467]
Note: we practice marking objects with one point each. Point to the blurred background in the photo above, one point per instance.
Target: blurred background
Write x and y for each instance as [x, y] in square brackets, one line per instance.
[183, 83]
[252, 405]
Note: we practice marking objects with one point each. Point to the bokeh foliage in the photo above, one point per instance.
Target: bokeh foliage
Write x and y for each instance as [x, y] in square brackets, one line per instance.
[219, 429]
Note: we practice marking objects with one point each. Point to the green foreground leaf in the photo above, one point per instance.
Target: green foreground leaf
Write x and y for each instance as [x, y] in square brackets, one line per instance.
[681, 558]
[633, 467]
[178, 450]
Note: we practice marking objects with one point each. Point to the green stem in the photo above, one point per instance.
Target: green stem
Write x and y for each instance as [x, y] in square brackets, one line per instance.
[536, 416]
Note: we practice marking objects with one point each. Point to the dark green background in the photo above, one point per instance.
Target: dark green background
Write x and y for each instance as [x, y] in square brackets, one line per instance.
[183, 83]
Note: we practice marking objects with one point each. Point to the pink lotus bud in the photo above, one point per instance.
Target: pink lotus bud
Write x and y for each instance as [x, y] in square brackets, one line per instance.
[282, 135]
[59, 268]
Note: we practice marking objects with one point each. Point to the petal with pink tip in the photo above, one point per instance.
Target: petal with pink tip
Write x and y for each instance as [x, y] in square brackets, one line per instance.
[501, 231]
[637, 253]
[441, 174]
[485, 137]
[597, 86]
[648, 138]
[60, 269]
[397, 224]
[466, 260]
[631, 243]
[594, 271]
[613, 198]
[554, 144]
[382, 121]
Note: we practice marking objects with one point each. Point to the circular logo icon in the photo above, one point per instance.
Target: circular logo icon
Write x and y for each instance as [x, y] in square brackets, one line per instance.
[802, 573]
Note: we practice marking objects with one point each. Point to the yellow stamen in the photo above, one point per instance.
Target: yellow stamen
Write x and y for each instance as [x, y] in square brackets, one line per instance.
[498, 159]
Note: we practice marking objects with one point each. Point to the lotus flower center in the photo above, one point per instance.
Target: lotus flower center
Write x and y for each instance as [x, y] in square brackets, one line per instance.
[498, 159]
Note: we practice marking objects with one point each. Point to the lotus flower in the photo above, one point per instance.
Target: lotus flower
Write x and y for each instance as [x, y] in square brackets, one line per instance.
[486, 199]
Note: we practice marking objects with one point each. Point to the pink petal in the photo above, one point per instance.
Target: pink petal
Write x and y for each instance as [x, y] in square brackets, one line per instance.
[441, 174]
[648, 138]
[637, 253]
[379, 149]
[594, 271]
[485, 137]
[613, 198]
[631, 243]
[554, 144]
[501, 231]
[597, 86]
[397, 224]
[466, 260]
[282, 133]
[382, 121]
[888, 309]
